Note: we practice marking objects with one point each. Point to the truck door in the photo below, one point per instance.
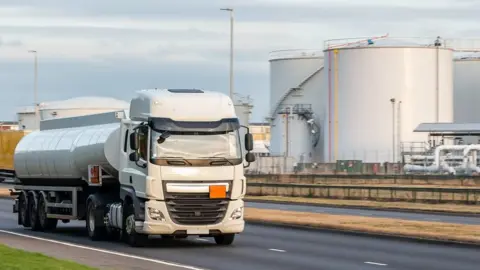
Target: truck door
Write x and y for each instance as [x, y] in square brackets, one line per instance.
[135, 173]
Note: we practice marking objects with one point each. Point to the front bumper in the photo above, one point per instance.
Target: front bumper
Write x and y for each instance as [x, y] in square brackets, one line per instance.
[168, 227]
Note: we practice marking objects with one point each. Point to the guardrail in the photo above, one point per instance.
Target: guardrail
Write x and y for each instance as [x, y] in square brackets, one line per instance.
[318, 179]
[378, 193]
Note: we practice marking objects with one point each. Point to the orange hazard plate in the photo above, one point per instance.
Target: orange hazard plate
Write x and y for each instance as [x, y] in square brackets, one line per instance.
[218, 192]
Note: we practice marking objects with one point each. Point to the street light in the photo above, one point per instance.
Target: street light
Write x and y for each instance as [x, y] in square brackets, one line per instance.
[231, 47]
[392, 100]
[35, 87]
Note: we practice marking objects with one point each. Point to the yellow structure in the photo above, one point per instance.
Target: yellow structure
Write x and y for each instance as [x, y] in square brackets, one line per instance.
[260, 131]
[8, 141]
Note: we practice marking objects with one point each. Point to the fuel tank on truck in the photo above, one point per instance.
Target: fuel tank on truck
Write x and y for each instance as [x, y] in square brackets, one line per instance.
[60, 152]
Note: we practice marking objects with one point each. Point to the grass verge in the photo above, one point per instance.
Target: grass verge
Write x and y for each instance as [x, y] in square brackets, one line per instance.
[13, 259]
[447, 208]
[395, 227]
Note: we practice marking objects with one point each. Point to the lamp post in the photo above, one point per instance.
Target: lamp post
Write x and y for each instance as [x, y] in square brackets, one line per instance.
[35, 87]
[392, 100]
[231, 47]
[437, 44]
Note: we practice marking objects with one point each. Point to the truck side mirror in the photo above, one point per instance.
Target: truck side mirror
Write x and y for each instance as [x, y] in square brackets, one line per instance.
[248, 142]
[250, 157]
[134, 141]
[134, 156]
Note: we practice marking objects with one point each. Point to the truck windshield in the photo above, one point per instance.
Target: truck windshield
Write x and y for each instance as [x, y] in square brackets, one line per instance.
[187, 146]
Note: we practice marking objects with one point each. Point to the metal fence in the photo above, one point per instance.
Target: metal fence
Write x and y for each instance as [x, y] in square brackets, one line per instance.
[288, 165]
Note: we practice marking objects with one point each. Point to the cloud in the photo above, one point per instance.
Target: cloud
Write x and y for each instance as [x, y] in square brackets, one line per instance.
[258, 10]
[112, 47]
[10, 43]
[119, 79]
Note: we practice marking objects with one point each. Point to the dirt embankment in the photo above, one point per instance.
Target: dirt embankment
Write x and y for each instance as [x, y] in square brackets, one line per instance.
[417, 229]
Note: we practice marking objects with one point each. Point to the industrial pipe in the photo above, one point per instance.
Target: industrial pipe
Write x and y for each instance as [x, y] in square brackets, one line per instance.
[437, 165]
[471, 164]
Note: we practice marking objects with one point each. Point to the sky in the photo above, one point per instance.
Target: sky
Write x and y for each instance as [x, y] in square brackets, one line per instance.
[114, 47]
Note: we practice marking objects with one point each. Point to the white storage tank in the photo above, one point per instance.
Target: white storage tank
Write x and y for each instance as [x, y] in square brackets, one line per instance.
[360, 83]
[295, 88]
[26, 118]
[243, 109]
[466, 95]
[80, 106]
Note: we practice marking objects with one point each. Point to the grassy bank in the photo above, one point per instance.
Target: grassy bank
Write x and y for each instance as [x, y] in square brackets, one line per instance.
[13, 259]
[447, 208]
[417, 229]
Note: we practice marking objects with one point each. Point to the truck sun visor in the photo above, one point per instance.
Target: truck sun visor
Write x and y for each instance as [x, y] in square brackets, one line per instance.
[167, 124]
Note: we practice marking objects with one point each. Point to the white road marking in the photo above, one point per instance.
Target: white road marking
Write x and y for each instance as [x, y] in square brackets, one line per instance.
[277, 250]
[201, 239]
[375, 263]
[104, 251]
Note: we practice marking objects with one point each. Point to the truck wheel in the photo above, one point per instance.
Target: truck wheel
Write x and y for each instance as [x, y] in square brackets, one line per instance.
[33, 209]
[95, 232]
[23, 213]
[224, 239]
[46, 224]
[133, 238]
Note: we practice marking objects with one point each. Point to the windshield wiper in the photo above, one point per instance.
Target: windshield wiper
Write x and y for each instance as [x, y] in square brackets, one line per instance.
[222, 158]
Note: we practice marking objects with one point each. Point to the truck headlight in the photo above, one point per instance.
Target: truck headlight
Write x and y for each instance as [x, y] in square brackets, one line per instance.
[237, 213]
[155, 214]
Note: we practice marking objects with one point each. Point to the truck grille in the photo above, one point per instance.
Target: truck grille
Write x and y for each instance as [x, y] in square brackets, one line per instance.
[195, 209]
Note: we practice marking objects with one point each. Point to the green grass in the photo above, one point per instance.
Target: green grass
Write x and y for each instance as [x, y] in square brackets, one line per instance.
[13, 259]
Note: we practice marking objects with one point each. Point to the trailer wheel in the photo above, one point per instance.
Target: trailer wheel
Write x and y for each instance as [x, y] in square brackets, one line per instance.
[95, 232]
[33, 209]
[133, 238]
[224, 239]
[46, 223]
[23, 213]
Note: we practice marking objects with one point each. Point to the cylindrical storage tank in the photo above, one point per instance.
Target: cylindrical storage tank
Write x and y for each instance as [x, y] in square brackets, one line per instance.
[62, 156]
[243, 109]
[364, 122]
[80, 106]
[26, 118]
[466, 93]
[295, 88]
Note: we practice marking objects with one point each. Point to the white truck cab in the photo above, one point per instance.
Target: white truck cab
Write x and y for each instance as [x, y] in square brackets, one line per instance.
[185, 164]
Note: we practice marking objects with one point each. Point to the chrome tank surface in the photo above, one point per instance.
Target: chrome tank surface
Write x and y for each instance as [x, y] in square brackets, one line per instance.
[65, 154]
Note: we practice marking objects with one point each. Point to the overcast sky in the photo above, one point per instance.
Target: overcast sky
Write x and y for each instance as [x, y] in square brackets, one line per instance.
[114, 47]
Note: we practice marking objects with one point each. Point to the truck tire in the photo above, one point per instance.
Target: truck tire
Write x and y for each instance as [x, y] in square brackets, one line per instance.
[133, 238]
[46, 224]
[23, 213]
[224, 239]
[33, 209]
[95, 232]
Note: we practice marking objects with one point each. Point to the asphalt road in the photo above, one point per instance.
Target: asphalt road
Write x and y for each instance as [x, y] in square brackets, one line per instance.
[366, 212]
[265, 247]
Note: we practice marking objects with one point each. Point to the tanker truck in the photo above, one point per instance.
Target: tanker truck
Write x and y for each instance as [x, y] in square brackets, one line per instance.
[171, 166]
